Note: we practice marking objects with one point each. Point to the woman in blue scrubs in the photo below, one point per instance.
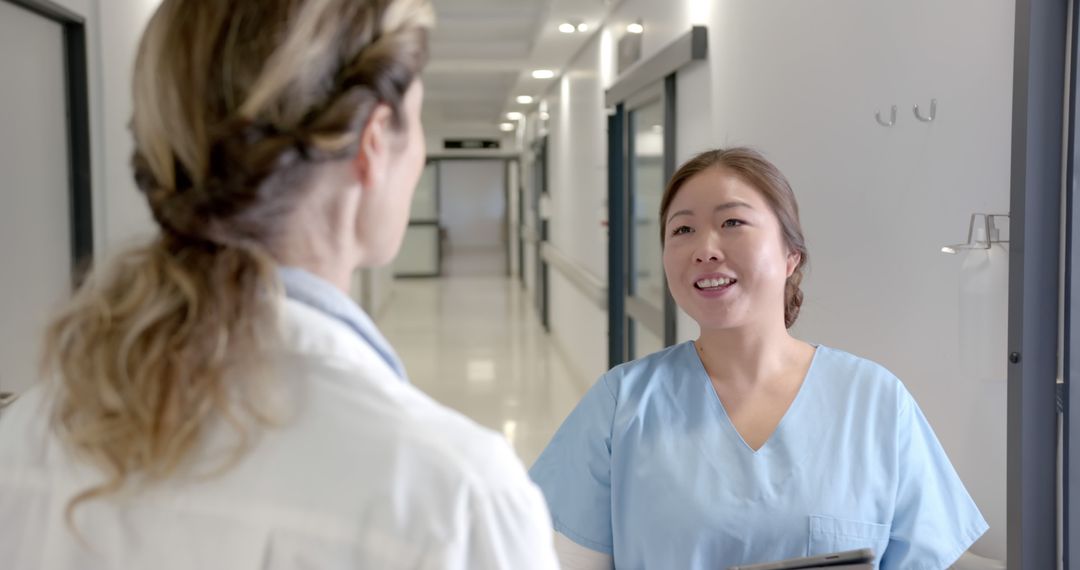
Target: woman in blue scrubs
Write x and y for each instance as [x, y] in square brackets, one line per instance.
[748, 445]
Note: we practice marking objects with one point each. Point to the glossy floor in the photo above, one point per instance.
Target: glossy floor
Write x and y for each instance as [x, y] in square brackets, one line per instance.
[475, 344]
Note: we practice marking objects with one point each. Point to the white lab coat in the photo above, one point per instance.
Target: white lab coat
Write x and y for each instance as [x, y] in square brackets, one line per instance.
[367, 472]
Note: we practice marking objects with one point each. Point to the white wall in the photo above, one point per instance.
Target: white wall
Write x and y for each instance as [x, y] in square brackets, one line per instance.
[577, 153]
[35, 232]
[801, 82]
[127, 217]
[577, 184]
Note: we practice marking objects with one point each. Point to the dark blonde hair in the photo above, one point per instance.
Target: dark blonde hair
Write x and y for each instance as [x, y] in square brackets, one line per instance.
[754, 169]
[236, 104]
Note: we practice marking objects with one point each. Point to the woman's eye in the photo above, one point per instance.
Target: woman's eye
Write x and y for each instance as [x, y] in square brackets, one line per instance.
[681, 230]
[734, 223]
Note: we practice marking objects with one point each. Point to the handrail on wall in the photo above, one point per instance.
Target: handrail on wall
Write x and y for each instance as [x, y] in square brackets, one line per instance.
[586, 281]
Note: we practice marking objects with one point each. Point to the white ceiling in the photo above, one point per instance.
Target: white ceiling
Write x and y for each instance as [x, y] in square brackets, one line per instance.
[483, 53]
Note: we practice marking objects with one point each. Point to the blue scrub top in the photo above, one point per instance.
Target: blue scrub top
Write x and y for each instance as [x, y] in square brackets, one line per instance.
[650, 469]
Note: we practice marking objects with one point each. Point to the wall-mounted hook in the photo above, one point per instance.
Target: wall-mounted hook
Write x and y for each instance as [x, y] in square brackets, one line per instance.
[933, 112]
[892, 118]
[981, 235]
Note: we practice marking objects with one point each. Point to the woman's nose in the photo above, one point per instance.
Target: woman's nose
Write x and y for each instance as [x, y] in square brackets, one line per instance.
[708, 250]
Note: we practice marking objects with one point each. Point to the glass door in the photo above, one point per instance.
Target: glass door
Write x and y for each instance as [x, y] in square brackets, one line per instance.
[642, 135]
[645, 285]
[421, 250]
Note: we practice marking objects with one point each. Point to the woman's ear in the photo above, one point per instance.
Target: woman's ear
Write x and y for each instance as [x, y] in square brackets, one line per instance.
[372, 162]
[794, 258]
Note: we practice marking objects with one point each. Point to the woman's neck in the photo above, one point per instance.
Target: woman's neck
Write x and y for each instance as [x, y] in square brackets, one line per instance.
[749, 358]
[320, 234]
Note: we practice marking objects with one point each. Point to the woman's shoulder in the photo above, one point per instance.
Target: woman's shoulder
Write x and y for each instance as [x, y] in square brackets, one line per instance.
[639, 378]
[857, 376]
[674, 355]
[854, 365]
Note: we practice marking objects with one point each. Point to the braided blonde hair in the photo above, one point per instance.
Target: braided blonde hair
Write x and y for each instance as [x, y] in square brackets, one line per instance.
[237, 104]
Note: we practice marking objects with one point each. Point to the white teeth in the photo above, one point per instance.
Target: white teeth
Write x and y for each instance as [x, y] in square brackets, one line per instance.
[711, 283]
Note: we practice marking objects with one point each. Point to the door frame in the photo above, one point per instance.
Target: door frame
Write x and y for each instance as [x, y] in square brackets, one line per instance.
[661, 321]
[77, 95]
[1069, 397]
[541, 196]
[507, 160]
[434, 162]
[659, 72]
[1039, 122]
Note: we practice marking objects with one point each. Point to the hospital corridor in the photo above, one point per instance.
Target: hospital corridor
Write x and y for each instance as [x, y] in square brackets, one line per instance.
[476, 345]
[539, 284]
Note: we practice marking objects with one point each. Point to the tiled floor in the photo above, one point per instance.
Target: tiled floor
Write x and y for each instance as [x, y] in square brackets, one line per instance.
[475, 344]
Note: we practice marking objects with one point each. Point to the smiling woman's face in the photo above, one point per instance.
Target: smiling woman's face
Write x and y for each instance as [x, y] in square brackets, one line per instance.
[724, 253]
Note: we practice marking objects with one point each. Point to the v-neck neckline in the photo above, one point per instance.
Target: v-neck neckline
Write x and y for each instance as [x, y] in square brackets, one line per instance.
[730, 426]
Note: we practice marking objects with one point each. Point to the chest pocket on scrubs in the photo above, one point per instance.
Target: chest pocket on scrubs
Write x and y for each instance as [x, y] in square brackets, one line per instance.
[829, 535]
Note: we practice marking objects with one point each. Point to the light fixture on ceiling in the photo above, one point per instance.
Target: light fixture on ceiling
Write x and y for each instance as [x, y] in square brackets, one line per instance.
[572, 26]
[506, 127]
[524, 99]
[514, 116]
[635, 28]
[543, 74]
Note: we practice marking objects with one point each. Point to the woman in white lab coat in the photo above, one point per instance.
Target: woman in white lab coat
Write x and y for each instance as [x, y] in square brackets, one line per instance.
[213, 398]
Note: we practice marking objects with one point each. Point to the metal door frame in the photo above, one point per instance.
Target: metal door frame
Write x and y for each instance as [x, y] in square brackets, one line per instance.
[658, 72]
[437, 164]
[661, 322]
[1069, 399]
[1039, 85]
[76, 77]
[541, 192]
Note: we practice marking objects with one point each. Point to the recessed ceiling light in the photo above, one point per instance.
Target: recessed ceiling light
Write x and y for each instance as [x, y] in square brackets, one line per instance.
[583, 27]
[567, 28]
[635, 28]
[524, 99]
[506, 127]
[543, 74]
[544, 116]
[514, 116]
